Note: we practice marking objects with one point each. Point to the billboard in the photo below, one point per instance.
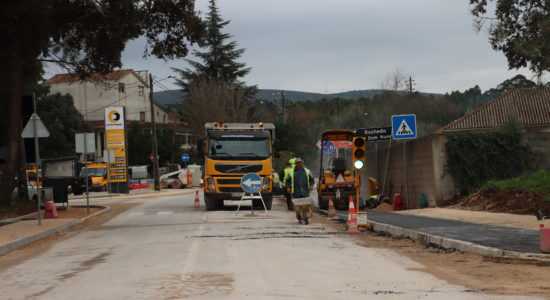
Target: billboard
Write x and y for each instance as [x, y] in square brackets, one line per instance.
[115, 139]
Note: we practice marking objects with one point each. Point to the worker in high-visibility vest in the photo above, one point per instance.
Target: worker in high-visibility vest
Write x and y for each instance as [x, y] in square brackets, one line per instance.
[287, 171]
[292, 161]
[277, 184]
[299, 183]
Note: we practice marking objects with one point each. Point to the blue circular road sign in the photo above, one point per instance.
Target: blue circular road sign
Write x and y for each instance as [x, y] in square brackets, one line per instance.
[185, 157]
[328, 147]
[251, 183]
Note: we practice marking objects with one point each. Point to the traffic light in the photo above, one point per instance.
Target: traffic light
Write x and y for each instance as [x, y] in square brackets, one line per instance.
[359, 152]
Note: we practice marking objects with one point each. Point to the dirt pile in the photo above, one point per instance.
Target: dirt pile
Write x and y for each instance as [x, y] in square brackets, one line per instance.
[384, 207]
[508, 201]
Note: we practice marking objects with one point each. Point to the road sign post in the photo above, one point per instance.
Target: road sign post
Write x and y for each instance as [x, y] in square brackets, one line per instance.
[403, 128]
[185, 158]
[251, 184]
[36, 129]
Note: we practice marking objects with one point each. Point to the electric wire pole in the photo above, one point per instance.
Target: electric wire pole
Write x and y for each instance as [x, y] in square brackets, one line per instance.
[154, 136]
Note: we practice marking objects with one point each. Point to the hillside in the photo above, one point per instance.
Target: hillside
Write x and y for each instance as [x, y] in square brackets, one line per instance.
[173, 96]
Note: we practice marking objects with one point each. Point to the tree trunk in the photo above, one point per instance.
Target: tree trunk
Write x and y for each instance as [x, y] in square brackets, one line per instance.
[13, 131]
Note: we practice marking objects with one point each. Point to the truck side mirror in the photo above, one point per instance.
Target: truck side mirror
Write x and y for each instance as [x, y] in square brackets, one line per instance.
[200, 146]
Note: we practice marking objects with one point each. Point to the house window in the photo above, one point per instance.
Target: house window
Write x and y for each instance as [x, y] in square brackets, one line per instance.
[121, 87]
[141, 90]
[142, 116]
[163, 118]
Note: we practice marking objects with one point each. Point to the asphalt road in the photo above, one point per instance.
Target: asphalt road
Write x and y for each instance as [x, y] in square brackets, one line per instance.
[163, 249]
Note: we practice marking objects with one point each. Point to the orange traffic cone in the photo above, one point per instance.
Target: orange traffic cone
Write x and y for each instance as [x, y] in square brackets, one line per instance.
[331, 210]
[352, 217]
[197, 204]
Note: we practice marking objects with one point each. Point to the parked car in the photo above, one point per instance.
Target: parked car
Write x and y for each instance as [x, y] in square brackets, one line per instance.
[32, 192]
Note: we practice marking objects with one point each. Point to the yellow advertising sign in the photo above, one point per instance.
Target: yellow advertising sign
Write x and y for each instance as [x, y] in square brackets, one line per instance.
[114, 138]
[117, 168]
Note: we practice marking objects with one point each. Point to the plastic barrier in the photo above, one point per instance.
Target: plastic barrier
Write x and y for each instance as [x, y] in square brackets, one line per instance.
[398, 202]
[50, 210]
[544, 239]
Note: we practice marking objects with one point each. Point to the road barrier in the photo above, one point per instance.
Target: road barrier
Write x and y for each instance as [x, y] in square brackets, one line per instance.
[352, 217]
[197, 204]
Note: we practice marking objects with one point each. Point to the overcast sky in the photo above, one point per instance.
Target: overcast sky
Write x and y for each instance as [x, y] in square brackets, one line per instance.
[330, 46]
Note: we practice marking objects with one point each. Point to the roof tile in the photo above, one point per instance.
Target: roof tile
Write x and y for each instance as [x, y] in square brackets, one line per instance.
[61, 78]
[530, 107]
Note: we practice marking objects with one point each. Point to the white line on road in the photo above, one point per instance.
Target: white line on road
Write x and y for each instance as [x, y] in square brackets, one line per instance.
[136, 213]
[194, 249]
[165, 212]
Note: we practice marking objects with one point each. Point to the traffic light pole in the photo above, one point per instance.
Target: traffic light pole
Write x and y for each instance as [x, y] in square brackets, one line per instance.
[406, 177]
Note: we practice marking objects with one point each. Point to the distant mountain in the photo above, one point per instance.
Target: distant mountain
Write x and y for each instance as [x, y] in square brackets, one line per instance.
[270, 95]
[171, 97]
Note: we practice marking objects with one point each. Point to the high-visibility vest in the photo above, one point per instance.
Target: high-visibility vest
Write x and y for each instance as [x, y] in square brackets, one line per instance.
[292, 178]
[276, 178]
[292, 162]
[287, 172]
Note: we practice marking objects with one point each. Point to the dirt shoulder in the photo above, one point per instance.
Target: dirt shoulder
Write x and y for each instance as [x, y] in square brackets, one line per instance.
[30, 250]
[475, 272]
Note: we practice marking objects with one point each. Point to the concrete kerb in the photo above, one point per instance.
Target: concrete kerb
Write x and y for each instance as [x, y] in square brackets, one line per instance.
[131, 196]
[452, 244]
[29, 239]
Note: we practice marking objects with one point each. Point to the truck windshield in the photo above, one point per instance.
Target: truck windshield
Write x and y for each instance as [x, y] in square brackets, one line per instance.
[238, 149]
[94, 172]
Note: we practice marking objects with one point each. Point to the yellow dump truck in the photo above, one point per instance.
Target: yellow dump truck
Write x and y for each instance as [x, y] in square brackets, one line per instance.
[232, 150]
[336, 178]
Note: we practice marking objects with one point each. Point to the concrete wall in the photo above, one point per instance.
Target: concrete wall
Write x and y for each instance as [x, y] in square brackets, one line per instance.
[426, 166]
[90, 98]
[425, 161]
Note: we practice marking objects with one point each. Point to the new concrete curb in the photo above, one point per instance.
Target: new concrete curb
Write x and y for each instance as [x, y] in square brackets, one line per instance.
[453, 244]
[31, 238]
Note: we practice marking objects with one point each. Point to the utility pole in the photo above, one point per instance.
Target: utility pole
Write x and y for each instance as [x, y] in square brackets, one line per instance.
[283, 104]
[154, 136]
[410, 88]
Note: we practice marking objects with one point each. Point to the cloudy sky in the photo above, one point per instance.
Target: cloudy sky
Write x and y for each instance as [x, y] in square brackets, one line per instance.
[330, 46]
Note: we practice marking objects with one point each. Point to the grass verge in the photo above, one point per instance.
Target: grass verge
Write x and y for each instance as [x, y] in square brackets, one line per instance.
[538, 182]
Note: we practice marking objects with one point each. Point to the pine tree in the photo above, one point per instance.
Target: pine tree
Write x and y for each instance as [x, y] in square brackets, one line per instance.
[218, 63]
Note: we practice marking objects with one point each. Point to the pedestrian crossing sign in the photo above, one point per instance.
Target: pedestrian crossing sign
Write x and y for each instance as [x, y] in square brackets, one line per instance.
[403, 127]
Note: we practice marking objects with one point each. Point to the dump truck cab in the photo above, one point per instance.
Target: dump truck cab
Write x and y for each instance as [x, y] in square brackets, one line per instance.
[336, 177]
[232, 150]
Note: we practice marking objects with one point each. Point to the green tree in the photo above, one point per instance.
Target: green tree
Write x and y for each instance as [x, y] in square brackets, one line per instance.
[219, 60]
[139, 145]
[520, 29]
[86, 35]
[62, 120]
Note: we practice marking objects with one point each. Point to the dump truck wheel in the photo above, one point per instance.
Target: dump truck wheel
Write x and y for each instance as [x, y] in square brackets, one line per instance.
[268, 200]
[211, 203]
[323, 202]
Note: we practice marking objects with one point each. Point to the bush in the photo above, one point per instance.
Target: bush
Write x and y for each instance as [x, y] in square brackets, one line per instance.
[475, 158]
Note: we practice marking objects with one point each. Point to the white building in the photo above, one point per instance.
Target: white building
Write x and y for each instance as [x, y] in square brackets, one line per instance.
[126, 88]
